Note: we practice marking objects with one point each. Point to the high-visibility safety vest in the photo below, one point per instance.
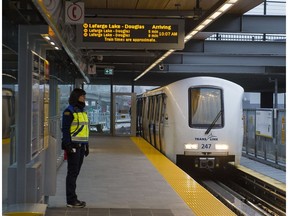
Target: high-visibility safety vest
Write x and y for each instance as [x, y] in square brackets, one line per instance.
[79, 128]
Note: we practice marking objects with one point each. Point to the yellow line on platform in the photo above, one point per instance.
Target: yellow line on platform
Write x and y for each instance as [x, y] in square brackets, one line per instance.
[201, 201]
[6, 141]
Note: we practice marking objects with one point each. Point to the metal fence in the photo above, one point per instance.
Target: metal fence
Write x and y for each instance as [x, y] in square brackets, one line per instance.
[268, 150]
[247, 37]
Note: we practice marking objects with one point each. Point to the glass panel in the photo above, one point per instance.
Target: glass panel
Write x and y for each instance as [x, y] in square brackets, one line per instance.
[64, 93]
[38, 95]
[142, 89]
[260, 147]
[205, 107]
[270, 149]
[281, 144]
[250, 131]
[98, 107]
[122, 114]
[273, 7]
[121, 88]
[35, 105]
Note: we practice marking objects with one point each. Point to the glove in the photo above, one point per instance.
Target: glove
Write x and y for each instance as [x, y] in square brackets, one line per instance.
[69, 149]
[86, 150]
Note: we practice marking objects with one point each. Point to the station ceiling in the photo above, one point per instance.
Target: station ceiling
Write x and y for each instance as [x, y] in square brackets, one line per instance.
[252, 64]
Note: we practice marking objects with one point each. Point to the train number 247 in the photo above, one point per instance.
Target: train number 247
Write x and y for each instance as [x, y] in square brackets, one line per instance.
[205, 146]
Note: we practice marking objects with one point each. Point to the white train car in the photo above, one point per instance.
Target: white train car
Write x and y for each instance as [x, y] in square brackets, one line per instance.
[196, 122]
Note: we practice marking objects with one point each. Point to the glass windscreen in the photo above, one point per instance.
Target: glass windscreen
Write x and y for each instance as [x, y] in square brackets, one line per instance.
[205, 107]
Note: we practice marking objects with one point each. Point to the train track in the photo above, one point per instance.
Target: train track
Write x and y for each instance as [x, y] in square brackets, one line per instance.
[243, 193]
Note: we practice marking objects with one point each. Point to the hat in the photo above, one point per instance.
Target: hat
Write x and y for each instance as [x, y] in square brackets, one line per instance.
[75, 94]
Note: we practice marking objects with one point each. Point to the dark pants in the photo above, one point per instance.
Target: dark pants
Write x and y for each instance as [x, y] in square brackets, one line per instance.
[75, 161]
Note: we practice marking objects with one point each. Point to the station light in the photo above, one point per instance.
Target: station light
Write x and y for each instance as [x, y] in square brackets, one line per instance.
[222, 9]
[50, 41]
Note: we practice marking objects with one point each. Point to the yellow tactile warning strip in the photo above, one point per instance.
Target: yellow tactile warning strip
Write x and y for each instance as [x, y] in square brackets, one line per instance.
[194, 195]
[23, 214]
[275, 183]
[6, 141]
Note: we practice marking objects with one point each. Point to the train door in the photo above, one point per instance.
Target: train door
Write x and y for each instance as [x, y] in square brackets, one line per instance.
[157, 121]
[149, 116]
[139, 105]
[154, 120]
[145, 120]
[151, 120]
[124, 114]
[161, 124]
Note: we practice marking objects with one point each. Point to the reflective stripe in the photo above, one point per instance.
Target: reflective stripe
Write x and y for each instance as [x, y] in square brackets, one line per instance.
[79, 139]
[80, 123]
[78, 131]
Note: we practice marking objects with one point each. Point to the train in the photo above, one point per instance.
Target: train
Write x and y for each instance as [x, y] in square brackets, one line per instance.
[196, 122]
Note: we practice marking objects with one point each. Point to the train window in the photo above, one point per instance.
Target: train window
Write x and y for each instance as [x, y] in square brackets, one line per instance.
[206, 108]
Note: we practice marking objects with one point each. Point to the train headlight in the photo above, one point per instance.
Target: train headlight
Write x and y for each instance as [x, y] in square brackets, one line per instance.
[221, 146]
[191, 146]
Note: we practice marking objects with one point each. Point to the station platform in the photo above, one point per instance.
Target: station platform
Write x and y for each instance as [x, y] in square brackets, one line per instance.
[263, 172]
[269, 172]
[127, 176]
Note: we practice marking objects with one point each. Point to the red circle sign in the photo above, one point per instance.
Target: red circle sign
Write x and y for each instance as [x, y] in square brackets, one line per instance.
[74, 12]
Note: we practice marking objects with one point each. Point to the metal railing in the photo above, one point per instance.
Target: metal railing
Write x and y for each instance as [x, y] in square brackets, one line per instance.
[246, 37]
[270, 151]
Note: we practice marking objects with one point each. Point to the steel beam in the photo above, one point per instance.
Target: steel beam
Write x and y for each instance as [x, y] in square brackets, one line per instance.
[248, 24]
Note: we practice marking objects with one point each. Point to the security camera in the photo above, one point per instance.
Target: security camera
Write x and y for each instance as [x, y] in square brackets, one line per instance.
[100, 58]
[161, 67]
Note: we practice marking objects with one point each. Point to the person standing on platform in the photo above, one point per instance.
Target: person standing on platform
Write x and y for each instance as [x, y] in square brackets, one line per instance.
[75, 135]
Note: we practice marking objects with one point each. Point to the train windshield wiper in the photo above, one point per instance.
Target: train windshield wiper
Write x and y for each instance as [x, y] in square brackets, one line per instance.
[214, 122]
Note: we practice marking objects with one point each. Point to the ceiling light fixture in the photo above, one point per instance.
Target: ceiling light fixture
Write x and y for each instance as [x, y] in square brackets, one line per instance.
[222, 9]
[50, 40]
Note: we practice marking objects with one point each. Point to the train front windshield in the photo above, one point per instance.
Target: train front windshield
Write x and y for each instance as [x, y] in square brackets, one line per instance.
[206, 108]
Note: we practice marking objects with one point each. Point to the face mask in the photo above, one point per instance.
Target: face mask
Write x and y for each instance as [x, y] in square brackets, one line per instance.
[81, 105]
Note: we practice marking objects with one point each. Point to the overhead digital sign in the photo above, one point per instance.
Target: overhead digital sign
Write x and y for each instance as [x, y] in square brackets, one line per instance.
[101, 33]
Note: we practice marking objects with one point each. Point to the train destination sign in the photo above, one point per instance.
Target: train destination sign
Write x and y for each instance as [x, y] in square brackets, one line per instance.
[109, 33]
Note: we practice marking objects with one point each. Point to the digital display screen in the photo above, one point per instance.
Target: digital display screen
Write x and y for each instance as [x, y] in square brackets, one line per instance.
[131, 33]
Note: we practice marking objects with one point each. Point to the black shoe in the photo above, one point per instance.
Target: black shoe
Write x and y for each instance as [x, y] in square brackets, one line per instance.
[83, 203]
[77, 204]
